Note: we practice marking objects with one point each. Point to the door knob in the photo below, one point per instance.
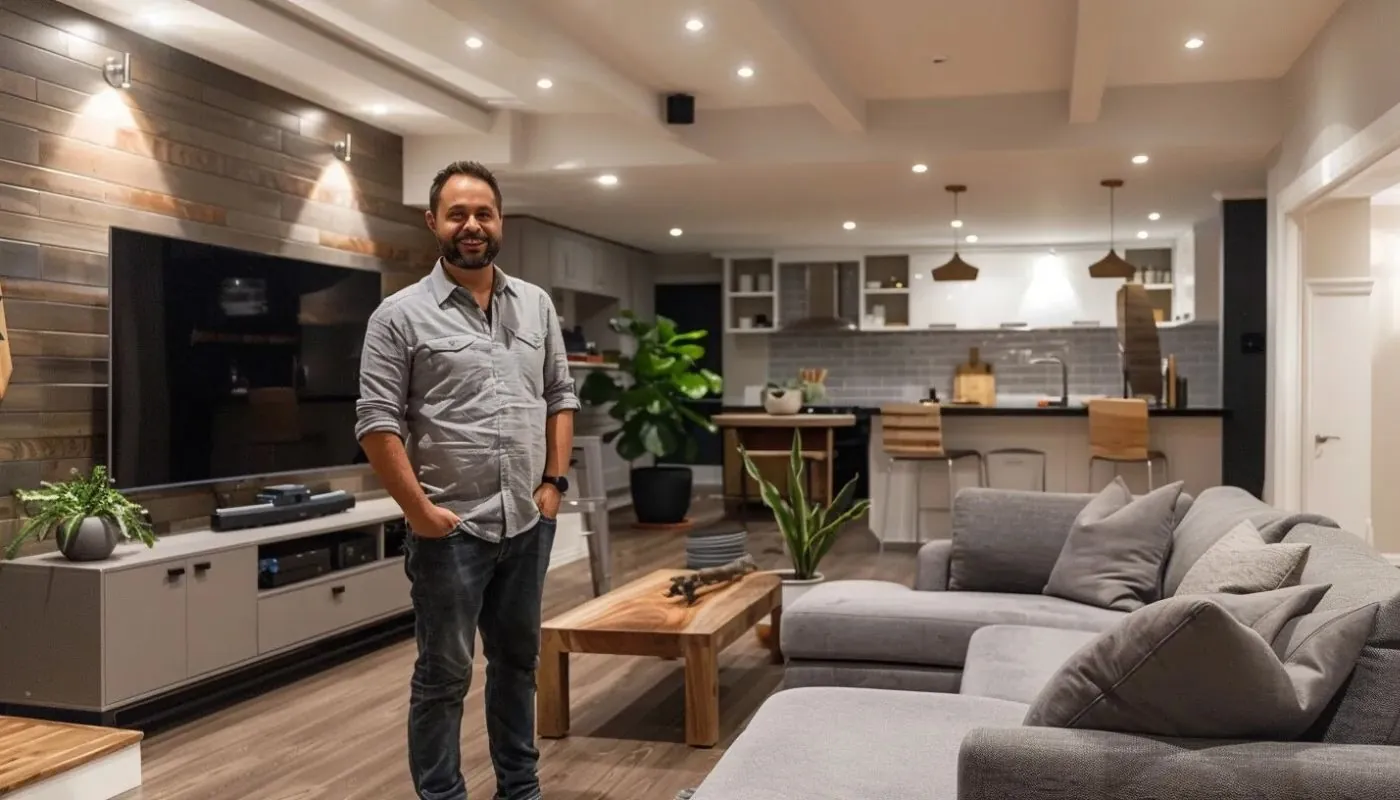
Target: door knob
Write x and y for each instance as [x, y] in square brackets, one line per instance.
[1323, 439]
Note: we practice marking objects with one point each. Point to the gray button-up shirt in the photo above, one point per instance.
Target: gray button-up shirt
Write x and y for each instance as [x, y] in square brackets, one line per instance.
[468, 395]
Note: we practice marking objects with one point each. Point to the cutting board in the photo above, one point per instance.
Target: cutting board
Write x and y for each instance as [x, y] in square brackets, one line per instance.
[973, 381]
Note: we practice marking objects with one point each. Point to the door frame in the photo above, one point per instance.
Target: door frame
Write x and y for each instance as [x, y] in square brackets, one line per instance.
[1285, 447]
[1313, 289]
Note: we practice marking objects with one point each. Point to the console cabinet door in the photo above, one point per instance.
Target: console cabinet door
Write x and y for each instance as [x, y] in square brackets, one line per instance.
[222, 628]
[143, 629]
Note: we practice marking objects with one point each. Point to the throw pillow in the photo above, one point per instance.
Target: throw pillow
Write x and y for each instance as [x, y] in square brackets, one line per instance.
[1204, 666]
[1116, 547]
[1241, 562]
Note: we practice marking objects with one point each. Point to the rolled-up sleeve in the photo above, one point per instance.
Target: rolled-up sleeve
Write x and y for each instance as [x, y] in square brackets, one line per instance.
[384, 378]
[559, 392]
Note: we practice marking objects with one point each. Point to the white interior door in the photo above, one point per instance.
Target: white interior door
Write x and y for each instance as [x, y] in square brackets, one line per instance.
[1337, 423]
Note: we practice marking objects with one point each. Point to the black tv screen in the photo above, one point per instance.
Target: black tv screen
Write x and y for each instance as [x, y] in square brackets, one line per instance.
[228, 364]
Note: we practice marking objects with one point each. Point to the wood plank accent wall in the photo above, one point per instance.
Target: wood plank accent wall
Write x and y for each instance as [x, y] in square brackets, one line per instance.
[190, 150]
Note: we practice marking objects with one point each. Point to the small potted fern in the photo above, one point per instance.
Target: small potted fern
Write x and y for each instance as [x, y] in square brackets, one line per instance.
[85, 514]
[809, 529]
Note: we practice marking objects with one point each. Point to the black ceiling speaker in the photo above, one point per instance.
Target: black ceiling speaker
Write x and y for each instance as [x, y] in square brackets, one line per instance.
[680, 109]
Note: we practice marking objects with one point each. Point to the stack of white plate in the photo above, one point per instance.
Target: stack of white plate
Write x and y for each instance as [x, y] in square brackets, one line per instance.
[715, 545]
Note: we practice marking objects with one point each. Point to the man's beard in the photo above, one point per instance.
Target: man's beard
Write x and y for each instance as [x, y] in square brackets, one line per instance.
[454, 256]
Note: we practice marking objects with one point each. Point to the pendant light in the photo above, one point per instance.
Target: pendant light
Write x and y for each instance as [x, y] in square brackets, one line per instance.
[956, 269]
[1111, 265]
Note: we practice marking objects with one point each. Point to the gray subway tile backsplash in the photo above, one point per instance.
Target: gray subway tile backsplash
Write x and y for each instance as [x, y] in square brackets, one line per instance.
[882, 367]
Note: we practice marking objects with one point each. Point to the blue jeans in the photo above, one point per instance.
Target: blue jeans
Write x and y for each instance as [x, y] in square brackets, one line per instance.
[459, 583]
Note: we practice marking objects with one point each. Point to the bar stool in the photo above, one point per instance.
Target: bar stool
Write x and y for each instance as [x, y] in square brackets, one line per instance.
[1119, 433]
[1018, 451]
[914, 432]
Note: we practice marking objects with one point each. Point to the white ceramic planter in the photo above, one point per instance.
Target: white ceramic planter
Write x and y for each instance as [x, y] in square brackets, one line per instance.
[782, 401]
[793, 589]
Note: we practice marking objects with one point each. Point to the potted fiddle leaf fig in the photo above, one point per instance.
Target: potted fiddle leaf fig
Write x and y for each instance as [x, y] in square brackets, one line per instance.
[809, 529]
[85, 514]
[649, 397]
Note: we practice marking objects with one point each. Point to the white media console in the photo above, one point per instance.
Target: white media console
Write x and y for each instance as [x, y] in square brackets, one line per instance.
[98, 636]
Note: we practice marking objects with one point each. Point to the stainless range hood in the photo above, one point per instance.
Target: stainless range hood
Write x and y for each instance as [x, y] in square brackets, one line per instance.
[825, 311]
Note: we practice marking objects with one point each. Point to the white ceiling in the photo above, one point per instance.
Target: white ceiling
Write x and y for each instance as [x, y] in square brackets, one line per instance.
[1034, 103]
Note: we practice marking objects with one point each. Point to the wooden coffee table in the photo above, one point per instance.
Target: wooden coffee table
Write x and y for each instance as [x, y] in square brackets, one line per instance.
[639, 620]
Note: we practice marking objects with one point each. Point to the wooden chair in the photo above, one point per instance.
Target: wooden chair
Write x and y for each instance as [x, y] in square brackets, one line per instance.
[914, 432]
[1120, 434]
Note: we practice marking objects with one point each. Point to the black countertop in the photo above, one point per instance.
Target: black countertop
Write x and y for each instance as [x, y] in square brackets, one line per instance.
[995, 411]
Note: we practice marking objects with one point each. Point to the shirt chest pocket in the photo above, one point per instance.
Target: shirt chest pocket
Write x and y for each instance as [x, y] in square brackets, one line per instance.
[451, 366]
[527, 353]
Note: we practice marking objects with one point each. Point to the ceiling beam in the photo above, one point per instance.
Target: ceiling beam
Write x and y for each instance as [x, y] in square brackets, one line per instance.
[1093, 46]
[824, 89]
[293, 32]
[518, 27]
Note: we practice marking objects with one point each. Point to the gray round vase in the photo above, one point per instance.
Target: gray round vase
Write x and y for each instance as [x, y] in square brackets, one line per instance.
[94, 540]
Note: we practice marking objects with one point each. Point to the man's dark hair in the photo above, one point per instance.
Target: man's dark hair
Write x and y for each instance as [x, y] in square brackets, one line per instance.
[471, 169]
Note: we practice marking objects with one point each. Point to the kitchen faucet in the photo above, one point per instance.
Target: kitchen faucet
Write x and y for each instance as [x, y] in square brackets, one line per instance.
[1063, 402]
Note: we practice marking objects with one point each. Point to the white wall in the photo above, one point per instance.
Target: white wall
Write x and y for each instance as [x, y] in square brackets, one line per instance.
[1348, 79]
[1385, 365]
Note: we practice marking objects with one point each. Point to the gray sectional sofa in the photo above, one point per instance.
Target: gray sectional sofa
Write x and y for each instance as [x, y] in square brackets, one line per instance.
[898, 693]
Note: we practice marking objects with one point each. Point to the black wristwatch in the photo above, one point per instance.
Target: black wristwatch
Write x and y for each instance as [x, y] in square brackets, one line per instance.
[559, 482]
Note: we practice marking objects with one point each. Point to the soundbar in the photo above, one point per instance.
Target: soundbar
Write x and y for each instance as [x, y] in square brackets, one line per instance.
[273, 513]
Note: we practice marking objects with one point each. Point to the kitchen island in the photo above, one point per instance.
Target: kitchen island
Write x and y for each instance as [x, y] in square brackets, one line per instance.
[1190, 438]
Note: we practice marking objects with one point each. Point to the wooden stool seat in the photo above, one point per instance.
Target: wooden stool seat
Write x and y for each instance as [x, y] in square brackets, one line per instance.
[1119, 433]
[914, 432]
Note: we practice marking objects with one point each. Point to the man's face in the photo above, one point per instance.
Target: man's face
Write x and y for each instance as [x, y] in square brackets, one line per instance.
[467, 223]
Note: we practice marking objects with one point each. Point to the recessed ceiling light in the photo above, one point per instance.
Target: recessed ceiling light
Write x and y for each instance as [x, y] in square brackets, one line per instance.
[848, 225]
[971, 238]
[1140, 158]
[1194, 43]
[694, 25]
[474, 43]
[156, 20]
[378, 109]
[1142, 234]
[920, 168]
[607, 180]
[746, 72]
[1154, 216]
[957, 223]
[676, 231]
[544, 83]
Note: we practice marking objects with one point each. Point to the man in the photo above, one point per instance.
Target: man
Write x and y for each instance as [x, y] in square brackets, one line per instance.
[466, 415]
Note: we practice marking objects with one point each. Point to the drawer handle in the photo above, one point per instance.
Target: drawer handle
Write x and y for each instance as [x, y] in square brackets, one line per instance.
[174, 572]
[337, 591]
[202, 566]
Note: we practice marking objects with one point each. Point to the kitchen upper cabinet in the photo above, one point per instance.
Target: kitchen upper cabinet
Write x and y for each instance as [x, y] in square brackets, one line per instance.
[571, 262]
[1014, 290]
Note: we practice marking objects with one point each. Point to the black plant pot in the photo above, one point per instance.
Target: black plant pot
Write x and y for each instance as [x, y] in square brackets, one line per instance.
[661, 495]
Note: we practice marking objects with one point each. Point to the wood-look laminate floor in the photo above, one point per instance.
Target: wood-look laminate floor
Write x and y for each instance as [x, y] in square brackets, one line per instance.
[340, 735]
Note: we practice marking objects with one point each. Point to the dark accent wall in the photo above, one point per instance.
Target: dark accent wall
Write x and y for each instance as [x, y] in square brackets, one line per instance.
[1244, 345]
[190, 150]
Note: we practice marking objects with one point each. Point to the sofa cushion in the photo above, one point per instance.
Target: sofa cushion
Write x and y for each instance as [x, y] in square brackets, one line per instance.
[888, 622]
[871, 675]
[1367, 709]
[840, 744]
[1115, 550]
[1205, 666]
[1215, 513]
[1242, 562]
[1009, 541]
[1014, 662]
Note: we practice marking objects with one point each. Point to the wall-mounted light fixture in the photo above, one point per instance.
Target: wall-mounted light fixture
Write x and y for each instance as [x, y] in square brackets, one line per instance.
[342, 149]
[118, 71]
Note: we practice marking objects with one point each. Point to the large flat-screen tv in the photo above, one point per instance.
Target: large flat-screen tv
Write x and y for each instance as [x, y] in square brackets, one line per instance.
[228, 365]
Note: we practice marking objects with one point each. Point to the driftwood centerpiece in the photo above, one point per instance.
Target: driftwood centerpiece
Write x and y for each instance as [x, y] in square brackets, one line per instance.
[689, 585]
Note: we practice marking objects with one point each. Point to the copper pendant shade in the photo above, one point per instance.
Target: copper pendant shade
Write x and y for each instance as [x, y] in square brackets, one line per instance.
[1111, 265]
[956, 269]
